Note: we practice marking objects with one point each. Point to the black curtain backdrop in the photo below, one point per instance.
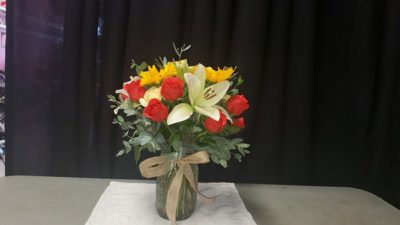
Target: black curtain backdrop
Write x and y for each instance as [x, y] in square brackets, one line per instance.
[322, 78]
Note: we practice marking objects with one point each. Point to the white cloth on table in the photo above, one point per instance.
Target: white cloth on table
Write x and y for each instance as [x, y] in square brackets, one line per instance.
[134, 204]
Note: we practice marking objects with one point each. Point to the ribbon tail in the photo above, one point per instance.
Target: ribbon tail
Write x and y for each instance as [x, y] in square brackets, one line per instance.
[188, 172]
[173, 196]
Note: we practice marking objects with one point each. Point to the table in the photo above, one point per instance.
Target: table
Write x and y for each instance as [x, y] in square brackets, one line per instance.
[26, 200]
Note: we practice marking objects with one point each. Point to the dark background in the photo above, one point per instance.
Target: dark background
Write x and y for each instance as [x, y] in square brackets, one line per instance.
[322, 78]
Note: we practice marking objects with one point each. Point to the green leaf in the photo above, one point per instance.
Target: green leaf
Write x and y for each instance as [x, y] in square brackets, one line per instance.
[229, 130]
[126, 134]
[243, 145]
[120, 118]
[144, 139]
[215, 159]
[133, 64]
[238, 157]
[186, 48]
[121, 152]
[236, 141]
[223, 163]
[128, 149]
[197, 129]
[173, 138]
[130, 112]
[176, 49]
[233, 91]
[239, 81]
[218, 152]
[241, 150]
[111, 98]
[178, 146]
[160, 138]
[137, 151]
[165, 61]
[141, 67]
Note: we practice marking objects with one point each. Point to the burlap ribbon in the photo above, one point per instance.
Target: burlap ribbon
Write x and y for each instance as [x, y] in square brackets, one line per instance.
[157, 166]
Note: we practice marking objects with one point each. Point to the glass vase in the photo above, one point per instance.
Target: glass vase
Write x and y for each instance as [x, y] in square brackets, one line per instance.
[187, 196]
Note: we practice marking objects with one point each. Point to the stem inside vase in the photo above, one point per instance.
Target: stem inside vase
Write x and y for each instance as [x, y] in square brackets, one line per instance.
[187, 196]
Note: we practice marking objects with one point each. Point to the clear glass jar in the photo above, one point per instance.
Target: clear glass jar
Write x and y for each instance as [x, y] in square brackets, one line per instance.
[187, 196]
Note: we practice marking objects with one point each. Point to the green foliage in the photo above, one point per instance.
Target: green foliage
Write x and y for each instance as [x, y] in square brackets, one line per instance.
[161, 62]
[179, 51]
[221, 148]
[138, 67]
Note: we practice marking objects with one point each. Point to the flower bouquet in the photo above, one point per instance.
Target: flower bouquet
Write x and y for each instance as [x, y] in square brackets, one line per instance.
[184, 114]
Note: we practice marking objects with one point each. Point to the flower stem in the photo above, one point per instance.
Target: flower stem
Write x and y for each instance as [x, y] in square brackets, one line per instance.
[201, 134]
[169, 129]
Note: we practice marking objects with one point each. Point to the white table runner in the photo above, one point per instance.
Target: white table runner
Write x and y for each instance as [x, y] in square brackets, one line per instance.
[133, 204]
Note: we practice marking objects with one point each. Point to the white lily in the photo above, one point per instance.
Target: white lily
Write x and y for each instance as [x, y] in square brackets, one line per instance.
[202, 100]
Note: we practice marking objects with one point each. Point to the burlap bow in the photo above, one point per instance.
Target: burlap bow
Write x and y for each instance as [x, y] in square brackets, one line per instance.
[156, 166]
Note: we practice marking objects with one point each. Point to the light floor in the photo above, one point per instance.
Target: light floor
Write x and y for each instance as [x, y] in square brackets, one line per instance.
[2, 169]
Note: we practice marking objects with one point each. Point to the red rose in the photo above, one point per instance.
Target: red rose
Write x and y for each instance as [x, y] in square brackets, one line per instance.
[214, 126]
[172, 88]
[237, 104]
[155, 110]
[122, 96]
[239, 122]
[134, 90]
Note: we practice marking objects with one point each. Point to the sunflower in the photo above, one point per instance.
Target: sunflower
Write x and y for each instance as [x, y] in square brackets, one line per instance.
[153, 76]
[218, 75]
[168, 70]
[149, 77]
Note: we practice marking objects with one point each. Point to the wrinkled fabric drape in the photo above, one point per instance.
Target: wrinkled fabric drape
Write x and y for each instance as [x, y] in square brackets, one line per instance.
[322, 78]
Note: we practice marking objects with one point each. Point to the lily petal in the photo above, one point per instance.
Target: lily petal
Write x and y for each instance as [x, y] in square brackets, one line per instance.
[194, 87]
[213, 94]
[211, 112]
[200, 73]
[179, 113]
[228, 117]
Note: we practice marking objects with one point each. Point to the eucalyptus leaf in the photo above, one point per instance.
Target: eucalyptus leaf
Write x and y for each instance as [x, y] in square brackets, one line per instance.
[144, 139]
[141, 67]
[120, 118]
[223, 163]
[137, 152]
[215, 159]
[130, 112]
[160, 138]
[234, 91]
[238, 157]
[241, 150]
[177, 145]
[120, 152]
[128, 149]
[236, 141]
[243, 145]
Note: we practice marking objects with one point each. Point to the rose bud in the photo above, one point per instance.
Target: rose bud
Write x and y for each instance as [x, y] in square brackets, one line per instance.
[214, 126]
[172, 88]
[122, 97]
[134, 90]
[239, 122]
[237, 104]
[155, 110]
